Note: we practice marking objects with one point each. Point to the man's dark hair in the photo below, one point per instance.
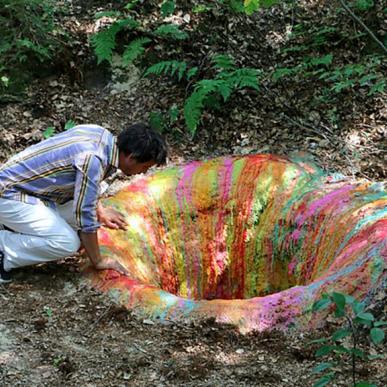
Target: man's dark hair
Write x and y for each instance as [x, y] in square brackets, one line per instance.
[143, 143]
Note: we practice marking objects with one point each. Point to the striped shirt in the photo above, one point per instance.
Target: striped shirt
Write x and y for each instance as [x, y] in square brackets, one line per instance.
[70, 165]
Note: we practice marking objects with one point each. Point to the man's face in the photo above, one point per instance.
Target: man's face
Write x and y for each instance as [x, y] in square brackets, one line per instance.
[129, 166]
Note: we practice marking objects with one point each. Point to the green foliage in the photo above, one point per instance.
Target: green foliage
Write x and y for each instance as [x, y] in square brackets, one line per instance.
[168, 7]
[4, 81]
[48, 311]
[200, 8]
[247, 6]
[131, 4]
[250, 6]
[28, 38]
[104, 41]
[134, 50]
[169, 67]
[69, 124]
[206, 92]
[223, 62]
[170, 31]
[164, 122]
[228, 79]
[50, 131]
[357, 320]
[209, 88]
[323, 69]
[366, 74]
[363, 5]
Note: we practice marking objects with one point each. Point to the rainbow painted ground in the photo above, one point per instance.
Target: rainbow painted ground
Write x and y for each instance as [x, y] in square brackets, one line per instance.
[252, 241]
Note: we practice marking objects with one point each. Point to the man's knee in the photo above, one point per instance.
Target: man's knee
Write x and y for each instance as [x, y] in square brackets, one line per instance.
[66, 244]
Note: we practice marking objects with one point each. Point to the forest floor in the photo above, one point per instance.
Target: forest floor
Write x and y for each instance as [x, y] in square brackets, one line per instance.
[57, 331]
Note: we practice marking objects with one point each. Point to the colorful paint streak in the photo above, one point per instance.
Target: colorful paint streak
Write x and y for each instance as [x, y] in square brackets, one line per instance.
[252, 241]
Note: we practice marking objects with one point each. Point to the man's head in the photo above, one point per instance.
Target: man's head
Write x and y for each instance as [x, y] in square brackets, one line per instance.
[140, 147]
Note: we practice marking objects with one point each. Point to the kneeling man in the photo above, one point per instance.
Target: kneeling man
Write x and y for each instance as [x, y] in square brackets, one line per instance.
[49, 193]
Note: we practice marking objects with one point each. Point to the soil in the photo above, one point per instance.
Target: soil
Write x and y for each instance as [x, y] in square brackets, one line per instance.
[57, 331]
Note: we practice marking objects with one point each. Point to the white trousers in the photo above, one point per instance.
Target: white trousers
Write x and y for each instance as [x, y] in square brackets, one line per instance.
[40, 233]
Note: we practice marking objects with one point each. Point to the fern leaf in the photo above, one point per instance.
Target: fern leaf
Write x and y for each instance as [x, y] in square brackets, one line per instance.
[169, 67]
[132, 4]
[134, 50]
[129, 22]
[225, 89]
[171, 31]
[251, 6]
[104, 41]
[191, 72]
[168, 7]
[180, 68]
[194, 104]
[157, 69]
[223, 62]
[246, 78]
[208, 85]
[193, 110]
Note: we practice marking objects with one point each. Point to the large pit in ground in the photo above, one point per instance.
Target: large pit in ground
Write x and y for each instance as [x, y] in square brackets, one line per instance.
[260, 231]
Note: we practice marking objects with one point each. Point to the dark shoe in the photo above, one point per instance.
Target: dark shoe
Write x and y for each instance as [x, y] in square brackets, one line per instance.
[5, 276]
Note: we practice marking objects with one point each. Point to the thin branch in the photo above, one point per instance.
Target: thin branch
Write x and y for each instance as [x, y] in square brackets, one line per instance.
[359, 21]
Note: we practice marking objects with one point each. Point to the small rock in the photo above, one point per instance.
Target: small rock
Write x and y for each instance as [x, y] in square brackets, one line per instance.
[148, 322]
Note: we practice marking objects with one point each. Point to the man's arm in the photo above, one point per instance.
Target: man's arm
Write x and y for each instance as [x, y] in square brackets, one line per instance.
[90, 242]
[88, 178]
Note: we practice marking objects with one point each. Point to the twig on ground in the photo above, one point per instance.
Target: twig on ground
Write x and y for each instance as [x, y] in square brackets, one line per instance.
[140, 349]
[359, 21]
[5, 290]
[89, 333]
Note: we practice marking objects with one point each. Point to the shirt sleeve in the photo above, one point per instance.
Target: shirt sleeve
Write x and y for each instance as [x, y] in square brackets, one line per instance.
[89, 174]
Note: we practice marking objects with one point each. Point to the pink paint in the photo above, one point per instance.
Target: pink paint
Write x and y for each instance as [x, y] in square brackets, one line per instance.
[325, 200]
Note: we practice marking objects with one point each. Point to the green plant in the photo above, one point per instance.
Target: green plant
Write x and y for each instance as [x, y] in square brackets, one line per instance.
[168, 7]
[164, 121]
[58, 360]
[250, 6]
[50, 131]
[170, 31]
[208, 92]
[28, 36]
[105, 41]
[355, 322]
[69, 124]
[171, 68]
[366, 74]
[135, 49]
[48, 311]
[363, 5]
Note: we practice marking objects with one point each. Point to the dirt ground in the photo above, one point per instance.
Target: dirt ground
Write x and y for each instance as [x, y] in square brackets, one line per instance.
[57, 331]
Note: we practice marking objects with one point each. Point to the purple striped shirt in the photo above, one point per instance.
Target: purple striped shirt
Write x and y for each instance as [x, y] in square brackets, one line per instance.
[70, 165]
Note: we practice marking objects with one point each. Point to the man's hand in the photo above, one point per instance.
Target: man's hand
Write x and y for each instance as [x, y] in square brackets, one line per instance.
[90, 241]
[111, 218]
[109, 263]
